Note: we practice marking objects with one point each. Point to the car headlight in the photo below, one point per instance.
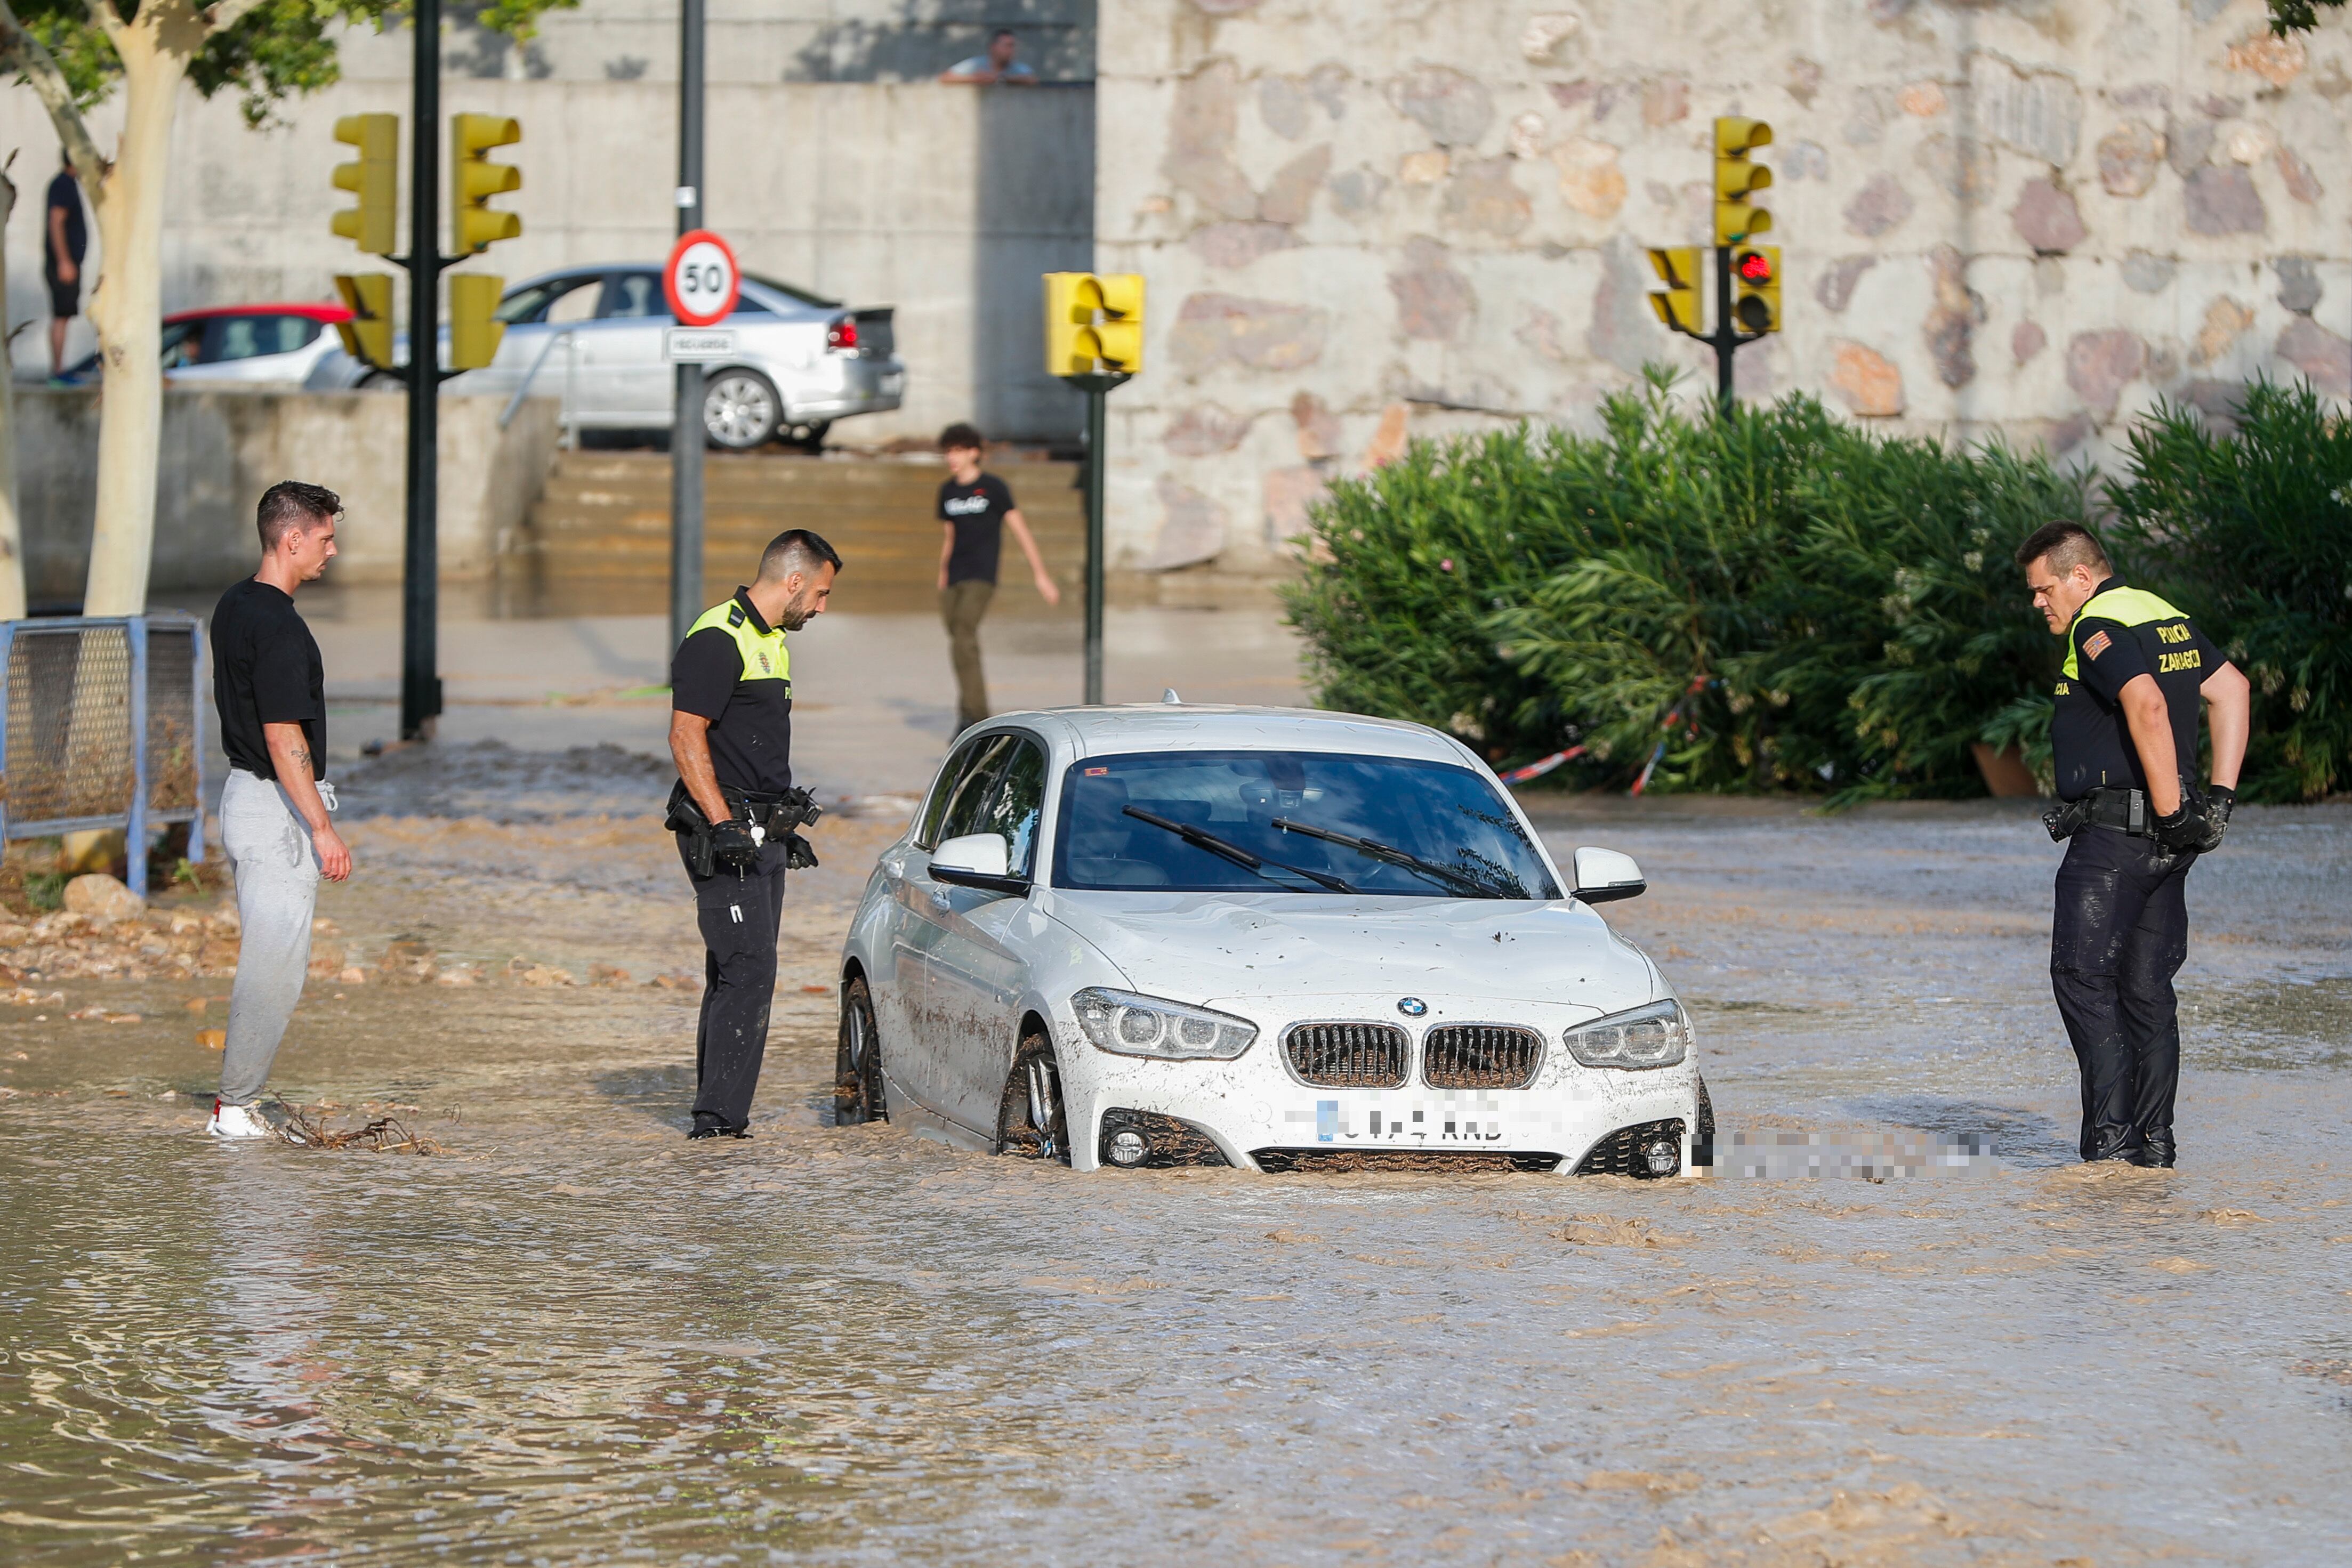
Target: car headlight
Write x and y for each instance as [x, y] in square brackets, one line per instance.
[1655, 1035]
[1127, 1025]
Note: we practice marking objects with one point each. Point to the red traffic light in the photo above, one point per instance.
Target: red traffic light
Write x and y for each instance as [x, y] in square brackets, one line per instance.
[1754, 267]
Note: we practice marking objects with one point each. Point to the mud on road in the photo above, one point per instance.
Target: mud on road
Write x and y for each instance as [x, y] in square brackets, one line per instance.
[570, 1337]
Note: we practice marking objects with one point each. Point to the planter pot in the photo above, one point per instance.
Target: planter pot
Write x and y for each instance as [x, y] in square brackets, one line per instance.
[2005, 772]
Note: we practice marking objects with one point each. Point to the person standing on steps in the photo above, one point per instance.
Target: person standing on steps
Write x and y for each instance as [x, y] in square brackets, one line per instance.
[2123, 745]
[976, 507]
[734, 809]
[65, 237]
[271, 688]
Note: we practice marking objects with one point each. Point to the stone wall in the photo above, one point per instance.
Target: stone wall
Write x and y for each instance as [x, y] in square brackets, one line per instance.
[834, 162]
[1367, 220]
[221, 449]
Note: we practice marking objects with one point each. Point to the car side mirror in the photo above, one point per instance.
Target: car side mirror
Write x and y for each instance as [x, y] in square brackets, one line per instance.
[977, 860]
[1604, 876]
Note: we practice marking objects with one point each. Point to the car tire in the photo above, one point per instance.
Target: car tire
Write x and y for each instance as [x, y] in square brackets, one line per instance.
[741, 410]
[860, 1093]
[381, 381]
[810, 438]
[1030, 1120]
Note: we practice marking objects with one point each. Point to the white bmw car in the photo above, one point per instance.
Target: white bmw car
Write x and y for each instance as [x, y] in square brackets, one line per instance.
[1268, 938]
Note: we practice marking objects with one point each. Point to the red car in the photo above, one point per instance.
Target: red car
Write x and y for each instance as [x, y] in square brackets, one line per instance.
[248, 344]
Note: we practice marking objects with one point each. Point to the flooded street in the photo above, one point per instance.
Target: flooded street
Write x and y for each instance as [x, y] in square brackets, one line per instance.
[570, 1337]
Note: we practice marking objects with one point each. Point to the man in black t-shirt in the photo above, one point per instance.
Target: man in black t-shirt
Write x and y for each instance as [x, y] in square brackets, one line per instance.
[731, 734]
[270, 686]
[977, 508]
[2124, 744]
[63, 239]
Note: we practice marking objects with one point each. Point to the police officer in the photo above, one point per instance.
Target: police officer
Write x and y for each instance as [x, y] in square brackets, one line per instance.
[2124, 740]
[730, 733]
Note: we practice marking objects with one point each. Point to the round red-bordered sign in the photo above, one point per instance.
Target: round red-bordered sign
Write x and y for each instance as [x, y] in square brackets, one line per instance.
[700, 279]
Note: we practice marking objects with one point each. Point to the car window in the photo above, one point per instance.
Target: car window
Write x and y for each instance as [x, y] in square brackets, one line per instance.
[943, 789]
[251, 337]
[559, 299]
[966, 804]
[1015, 806]
[633, 295]
[181, 342]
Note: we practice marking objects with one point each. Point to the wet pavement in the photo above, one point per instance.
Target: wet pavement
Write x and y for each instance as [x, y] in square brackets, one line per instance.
[570, 1337]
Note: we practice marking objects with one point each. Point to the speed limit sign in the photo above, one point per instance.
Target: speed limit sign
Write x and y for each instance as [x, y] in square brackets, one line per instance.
[701, 279]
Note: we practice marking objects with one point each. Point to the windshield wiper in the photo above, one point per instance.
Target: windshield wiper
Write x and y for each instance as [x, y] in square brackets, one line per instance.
[1389, 854]
[1202, 839]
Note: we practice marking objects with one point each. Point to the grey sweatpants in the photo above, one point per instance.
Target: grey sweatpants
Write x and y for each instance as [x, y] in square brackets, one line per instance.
[277, 888]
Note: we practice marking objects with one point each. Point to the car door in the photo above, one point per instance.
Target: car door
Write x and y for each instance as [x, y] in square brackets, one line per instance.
[632, 321]
[260, 347]
[975, 969]
[536, 316]
[934, 1041]
[908, 927]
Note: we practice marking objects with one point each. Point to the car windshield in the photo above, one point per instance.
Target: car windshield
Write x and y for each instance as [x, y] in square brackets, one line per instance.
[1445, 816]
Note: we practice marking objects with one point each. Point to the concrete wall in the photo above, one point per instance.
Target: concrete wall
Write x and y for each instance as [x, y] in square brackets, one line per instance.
[824, 170]
[221, 450]
[1365, 220]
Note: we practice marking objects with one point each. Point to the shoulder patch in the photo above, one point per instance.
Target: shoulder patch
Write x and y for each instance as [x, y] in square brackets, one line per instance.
[2097, 643]
[734, 615]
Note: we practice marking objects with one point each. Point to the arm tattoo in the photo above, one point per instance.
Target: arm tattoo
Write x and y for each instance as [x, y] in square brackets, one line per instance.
[300, 757]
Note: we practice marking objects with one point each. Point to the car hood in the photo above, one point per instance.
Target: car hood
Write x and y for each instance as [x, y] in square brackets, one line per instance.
[1206, 947]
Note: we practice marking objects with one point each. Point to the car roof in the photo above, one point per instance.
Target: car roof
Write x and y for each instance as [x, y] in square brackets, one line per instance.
[801, 299]
[317, 309]
[1217, 726]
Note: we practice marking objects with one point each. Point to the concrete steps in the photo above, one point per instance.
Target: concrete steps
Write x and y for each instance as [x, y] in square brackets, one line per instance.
[602, 526]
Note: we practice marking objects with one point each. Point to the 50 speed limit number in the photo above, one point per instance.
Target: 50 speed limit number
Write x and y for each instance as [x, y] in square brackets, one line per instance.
[701, 279]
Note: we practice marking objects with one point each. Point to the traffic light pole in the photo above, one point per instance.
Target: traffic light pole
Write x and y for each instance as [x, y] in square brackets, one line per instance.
[685, 436]
[420, 582]
[1726, 337]
[1097, 389]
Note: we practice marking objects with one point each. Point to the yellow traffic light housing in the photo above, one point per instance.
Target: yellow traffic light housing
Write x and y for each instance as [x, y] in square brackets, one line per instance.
[1678, 304]
[374, 178]
[1094, 323]
[474, 180]
[1755, 288]
[1737, 179]
[367, 337]
[474, 329]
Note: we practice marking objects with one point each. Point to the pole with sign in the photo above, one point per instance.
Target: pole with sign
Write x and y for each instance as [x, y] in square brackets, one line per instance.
[702, 281]
[686, 422]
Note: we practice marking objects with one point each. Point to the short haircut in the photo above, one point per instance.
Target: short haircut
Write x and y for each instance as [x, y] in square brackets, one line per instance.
[999, 33]
[962, 434]
[291, 504]
[796, 549]
[2068, 546]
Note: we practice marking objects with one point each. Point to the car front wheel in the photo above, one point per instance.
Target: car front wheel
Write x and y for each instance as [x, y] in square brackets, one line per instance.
[741, 410]
[1030, 1119]
[858, 1094]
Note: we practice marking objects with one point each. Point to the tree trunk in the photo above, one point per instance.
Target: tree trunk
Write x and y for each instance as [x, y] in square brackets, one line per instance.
[127, 308]
[12, 530]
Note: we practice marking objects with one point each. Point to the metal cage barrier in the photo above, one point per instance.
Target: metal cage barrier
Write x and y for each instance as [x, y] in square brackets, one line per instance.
[105, 729]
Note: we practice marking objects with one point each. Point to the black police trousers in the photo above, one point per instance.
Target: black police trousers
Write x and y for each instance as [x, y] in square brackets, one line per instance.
[738, 913]
[2120, 935]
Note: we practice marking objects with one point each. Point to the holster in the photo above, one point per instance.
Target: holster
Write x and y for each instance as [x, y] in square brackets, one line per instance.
[686, 819]
[2063, 820]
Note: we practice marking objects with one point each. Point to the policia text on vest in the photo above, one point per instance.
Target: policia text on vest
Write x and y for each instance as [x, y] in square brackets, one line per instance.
[2124, 743]
[735, 809]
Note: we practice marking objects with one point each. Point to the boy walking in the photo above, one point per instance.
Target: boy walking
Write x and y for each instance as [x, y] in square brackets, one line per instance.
[270, 686]
[976, 507]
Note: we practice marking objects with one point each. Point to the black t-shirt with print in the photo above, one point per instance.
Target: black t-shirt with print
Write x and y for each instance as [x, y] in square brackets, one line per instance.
[2121, 633]
[266, 670]
[977, 510]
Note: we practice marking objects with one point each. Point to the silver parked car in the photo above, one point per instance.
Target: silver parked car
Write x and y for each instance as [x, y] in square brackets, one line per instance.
[592, 336]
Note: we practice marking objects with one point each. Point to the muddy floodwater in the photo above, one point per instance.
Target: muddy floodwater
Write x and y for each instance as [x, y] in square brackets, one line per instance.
[1899, 1325]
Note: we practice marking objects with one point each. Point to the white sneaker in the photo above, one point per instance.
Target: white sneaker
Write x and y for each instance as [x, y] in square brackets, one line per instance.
[237, 1122]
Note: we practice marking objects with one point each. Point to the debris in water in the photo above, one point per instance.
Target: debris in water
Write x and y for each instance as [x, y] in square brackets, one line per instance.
[213, 1038]
[385, 1135]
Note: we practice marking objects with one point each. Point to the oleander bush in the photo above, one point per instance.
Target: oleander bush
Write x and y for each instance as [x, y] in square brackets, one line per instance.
[1770, 600]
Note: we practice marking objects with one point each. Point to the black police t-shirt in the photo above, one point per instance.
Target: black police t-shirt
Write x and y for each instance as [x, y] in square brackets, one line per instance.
[977, 510]
[751, 720]
[2113, 642]
[266, 670]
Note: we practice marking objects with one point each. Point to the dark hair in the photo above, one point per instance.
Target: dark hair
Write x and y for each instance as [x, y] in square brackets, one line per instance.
[961, 435]
[289, 503]
[796, 549]
[999, 33]
[2068, 546]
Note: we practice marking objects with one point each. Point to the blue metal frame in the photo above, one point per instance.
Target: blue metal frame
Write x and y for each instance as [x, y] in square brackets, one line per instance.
[139, 818]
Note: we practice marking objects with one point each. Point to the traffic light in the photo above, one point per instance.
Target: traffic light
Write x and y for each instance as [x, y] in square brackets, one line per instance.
[1094, 323]
[1755, 288]
[374, 179]
[367, 337]
[474, 180]
[1736, 180]
[1678, 304]
[474, 329]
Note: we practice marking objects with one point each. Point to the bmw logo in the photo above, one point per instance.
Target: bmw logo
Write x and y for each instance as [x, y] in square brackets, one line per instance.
[1411, 1006]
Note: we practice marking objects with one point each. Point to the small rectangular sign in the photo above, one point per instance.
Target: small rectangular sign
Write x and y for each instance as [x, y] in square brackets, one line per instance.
[687, 344]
